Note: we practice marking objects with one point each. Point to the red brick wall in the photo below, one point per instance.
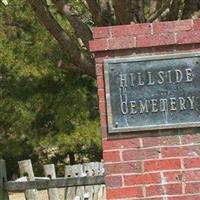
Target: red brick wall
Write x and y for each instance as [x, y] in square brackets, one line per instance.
[151, 165]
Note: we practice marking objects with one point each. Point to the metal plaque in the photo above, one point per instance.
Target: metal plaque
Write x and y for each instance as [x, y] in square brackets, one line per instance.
[153, 92]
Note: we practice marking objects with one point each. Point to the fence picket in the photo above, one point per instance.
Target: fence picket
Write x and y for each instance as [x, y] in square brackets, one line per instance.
[96, 187]
[78, 169]
[3, 178]
[69, 192]
[74, 193]
[101, 193]
[97, 192]
[89, 169]
[26, 169]
[49, 171]
[81, 182]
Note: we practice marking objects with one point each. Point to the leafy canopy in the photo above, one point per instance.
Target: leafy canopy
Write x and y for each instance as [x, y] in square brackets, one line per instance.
[45, 113]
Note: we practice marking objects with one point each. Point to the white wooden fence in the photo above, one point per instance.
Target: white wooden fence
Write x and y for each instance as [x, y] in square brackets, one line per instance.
[81, 182]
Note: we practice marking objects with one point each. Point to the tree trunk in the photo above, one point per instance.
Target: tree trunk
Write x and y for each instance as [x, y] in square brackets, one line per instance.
[71, 158]
[174, 10]
[79, 58]
[95, 10]
[106, 12]
[123, 11]
[190, 7]
[81, 29]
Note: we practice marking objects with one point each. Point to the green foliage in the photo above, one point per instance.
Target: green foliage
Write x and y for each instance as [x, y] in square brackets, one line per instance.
[45, 113]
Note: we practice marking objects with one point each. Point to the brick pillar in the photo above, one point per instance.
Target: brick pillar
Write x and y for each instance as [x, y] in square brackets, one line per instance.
[150, 165]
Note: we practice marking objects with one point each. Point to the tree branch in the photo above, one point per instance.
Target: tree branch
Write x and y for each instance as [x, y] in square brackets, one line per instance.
[174, 10]
[140, 11]
[107, 12]
[81, 30]
[70, 47]
[196, 15]
[154, 5]
[95, 10]
[190, 7]
[3, 4]
[123, 11]
[69, 67]
[134, 6]
[157, 13]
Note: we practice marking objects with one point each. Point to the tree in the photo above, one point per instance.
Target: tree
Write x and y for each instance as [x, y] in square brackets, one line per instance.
[83, 14]
[48, 99]
[46, 114]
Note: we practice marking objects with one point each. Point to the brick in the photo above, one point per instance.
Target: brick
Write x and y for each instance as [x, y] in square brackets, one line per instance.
[122, 43]
[161, 141]
[192, 162]
[174, 26]
[184, 197]
[185, 47]
[174, 176]
[157, 198]
[147, 51]
[192, 188]
[121, 144]
[113, 181]
[193, 175]
[99, 69]
[122, 168]
[188, 151]
[190, 139]
[163, 49]
[102, 107]
[131, 30]
[166, 39]
[188, 37]
[101, 95]
[103, 119]
[140, 154]
[101, 32]
[121, 193]
[100, 82]
[154, 190]
[111, 156]
[104, 131]
[196, 48]
[147, 40]
[151, 178]
[98, 45]
[124, 52]
[155, 40]
[156, 165]
[182, 176]
[173, 189]
[196, 24]
[100, 56]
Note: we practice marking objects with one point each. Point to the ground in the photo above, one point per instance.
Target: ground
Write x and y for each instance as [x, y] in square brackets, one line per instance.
[42, 195]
